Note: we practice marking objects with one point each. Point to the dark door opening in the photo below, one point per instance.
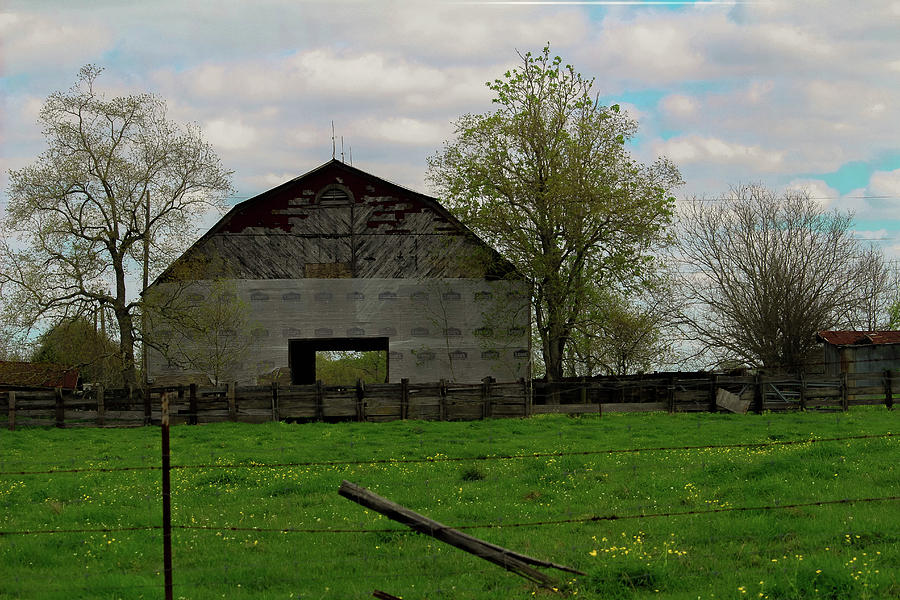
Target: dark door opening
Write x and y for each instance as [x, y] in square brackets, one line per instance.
[302, 354]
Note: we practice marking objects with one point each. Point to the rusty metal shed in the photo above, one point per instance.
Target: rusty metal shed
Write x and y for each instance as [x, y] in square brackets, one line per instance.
[860, 351]
[338, 258]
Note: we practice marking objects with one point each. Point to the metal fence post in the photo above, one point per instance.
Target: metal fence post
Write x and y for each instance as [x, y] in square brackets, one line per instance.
[166, 498]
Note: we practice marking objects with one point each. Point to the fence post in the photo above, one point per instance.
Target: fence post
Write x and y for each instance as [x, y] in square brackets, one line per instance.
[802, 391]
[404, 398]
[527, 396]
[12, 410]
[713, 385]
[192, 404]
[486, 400]
[148, 409]
[360, 406]
[275, 416]
[101, 407]
[232, 403]
[60, 408]
[320, 401]
[759, 394]
[166, 496]
[845, 392]
[888, 391]
[443, 406]
[670, 394]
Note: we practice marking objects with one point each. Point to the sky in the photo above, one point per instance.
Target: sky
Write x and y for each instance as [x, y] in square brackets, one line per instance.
[785, 93]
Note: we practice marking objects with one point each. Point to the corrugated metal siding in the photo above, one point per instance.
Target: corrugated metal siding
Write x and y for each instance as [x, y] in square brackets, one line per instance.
[852, 338]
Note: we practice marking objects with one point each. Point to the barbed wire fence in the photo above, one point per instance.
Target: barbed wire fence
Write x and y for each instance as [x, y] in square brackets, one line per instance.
[161, 532]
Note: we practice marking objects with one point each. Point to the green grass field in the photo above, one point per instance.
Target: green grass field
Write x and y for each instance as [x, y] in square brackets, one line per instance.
[835, 551]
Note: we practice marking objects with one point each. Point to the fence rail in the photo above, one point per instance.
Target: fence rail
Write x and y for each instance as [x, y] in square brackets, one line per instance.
[441, 400]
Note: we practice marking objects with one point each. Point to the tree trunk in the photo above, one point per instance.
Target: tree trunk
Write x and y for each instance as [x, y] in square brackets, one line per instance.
[126, 343]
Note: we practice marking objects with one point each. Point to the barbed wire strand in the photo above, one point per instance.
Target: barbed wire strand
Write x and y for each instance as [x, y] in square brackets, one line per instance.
[591, 519]
[440, 459]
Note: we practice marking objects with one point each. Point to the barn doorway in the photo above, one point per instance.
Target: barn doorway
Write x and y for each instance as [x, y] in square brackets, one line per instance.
[304, 354]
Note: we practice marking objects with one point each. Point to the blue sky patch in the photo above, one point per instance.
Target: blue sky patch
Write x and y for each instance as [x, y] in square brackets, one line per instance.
[856, 174]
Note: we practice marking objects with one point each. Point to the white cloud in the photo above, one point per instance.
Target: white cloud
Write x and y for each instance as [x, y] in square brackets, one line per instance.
[404, 130]
[793, 40]
[229, 135]
[818, 190]
[443, 30]
[267, 180]
[678, 105]
[871, 234]
[885, 183]
[877, 202]
[339, 78]
[769, 91]
[32, 41]
[690, 149]
[656, 49]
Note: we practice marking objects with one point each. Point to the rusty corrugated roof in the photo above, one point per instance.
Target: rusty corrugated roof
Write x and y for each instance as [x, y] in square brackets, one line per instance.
[858, 338]
[42, 375]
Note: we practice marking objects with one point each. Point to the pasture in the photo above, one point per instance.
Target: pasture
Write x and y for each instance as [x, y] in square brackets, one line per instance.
[240, 480]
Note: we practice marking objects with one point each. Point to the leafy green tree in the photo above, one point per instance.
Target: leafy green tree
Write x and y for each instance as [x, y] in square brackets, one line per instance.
[345, 368]
[622, 332]
[547, 180]
[78, 344]
[113, 197]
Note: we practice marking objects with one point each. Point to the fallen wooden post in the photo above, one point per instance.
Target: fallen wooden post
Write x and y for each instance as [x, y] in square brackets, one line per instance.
[732, 402]
[509, 560]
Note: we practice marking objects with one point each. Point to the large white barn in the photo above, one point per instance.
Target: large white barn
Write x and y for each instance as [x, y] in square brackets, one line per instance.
[338, 259]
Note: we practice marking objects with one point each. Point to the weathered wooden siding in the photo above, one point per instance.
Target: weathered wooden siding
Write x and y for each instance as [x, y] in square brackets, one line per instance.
[385, 231]
[388, 263]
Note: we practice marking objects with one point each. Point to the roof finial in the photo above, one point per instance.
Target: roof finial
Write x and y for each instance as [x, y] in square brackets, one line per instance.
[332, 140]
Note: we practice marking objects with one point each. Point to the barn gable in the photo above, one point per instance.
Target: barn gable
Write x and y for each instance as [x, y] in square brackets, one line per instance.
[338, 221]
[340, 259]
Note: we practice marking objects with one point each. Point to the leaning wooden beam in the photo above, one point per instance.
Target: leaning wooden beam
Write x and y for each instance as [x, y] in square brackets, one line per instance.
[511, 561]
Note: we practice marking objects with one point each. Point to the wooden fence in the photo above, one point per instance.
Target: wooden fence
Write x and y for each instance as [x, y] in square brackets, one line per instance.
[257, 404]
[701, 393]
[442, 400]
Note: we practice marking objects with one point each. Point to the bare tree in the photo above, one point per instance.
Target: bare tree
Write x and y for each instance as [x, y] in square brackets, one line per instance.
[764, 272]
[880, 289]
[112, 198]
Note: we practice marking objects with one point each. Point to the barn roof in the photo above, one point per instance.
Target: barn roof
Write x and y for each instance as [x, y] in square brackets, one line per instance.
[37, 375]
[858, 338]
[244, 213]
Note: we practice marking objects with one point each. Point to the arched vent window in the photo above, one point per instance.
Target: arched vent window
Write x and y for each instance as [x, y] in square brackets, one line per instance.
[334, 195]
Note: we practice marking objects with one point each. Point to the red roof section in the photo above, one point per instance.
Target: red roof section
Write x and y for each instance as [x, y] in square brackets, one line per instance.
[858, 338]
[41, 375]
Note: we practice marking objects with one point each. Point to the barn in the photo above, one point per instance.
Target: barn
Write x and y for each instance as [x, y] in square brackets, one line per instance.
[339, 259]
